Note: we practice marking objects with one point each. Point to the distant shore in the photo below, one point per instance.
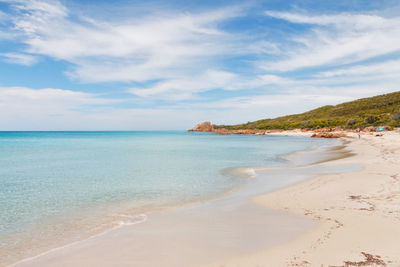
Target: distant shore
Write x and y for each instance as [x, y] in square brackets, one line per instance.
[326, 132]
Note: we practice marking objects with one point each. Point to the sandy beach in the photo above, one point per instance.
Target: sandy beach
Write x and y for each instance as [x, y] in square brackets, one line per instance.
[344, 216]
[357, 213]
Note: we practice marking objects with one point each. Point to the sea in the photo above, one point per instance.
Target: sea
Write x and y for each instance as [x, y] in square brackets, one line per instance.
[61, 187]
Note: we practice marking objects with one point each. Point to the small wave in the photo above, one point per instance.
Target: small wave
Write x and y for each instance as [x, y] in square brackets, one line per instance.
[250, 172]
[240, 172]
[131, 219]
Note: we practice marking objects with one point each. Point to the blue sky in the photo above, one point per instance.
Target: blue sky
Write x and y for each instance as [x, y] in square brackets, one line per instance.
[165, 65]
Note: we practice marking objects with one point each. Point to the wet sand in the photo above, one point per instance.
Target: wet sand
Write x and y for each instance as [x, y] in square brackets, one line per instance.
[182, 237]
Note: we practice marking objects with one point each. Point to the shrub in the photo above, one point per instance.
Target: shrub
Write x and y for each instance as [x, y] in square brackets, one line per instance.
[396, 116]
[371, 119]
[351, 122]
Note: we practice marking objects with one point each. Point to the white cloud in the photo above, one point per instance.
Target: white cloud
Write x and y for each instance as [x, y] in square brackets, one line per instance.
[4, 33]
[358, 21]
[272, 104]
[137, 49]
[19, 58]
[45, 101]
[184, 88]
[263, 47]
[181, 50]
[367, 70]
[187, 87]
[355, 83]
[337, 40]
[3, 16]
[23, 108]
[269, 79]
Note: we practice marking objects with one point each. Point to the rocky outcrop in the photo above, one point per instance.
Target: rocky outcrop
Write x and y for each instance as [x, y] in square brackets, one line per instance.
[326, 130]
[203, 127]
[369, 129]
[222, 131]
[329, 135]
[242, 131]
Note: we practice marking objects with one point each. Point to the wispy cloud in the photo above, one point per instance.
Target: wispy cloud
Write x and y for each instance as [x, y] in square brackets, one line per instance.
[180, 49]
[138, 49]
[19, 58]
[348, 54]
[3, 16]
[23, 108]
[387, 67]
[53, 97]
[343, 20]
[337, 39]
[185, 87]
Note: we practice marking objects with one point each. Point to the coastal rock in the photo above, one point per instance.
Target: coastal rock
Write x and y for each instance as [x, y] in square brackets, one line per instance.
[369, 129]
[328, 135]
[203, 127]
[322, 130]
[241, 131]
[222, 131]
[244, 131]
[206, 127]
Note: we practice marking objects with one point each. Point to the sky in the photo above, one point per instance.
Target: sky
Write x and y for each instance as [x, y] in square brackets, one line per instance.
[168, 65]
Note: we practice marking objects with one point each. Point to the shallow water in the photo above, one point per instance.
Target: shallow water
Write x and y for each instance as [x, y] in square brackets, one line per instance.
[57, 187]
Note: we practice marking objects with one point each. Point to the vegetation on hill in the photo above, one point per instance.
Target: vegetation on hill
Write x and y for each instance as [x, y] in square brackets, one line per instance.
[372, 111]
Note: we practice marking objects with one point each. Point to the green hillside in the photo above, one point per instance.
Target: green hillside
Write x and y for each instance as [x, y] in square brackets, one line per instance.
[372, 111]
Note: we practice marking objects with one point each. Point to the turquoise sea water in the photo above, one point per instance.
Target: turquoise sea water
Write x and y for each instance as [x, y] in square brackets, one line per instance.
[57, 187]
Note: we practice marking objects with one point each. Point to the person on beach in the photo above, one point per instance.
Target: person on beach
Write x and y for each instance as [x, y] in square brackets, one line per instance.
[359, 133]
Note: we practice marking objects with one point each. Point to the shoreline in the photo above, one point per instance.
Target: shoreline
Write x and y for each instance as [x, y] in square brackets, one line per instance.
[357, 213]
[281, 217]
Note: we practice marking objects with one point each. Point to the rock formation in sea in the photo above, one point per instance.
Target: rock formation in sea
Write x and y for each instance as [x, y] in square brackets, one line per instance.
[203, 127]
